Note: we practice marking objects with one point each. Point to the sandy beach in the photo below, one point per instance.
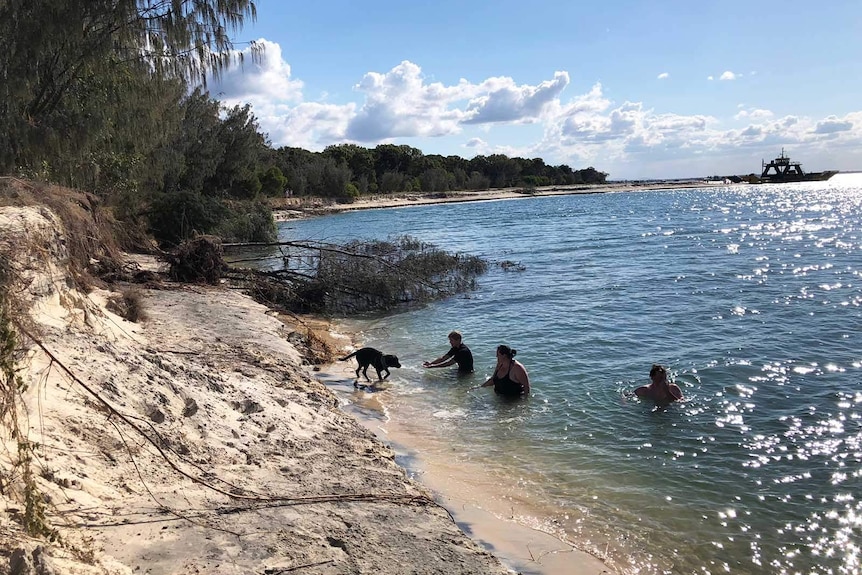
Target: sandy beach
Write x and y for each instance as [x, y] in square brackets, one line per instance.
[290, 208]
[198, 441]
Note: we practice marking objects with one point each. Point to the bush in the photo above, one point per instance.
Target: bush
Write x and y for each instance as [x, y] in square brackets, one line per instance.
[247, 222]
[178, 216]
[129, 305]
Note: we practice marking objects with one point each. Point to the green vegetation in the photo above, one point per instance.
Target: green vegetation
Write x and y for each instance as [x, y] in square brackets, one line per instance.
[109, 97]
[358, 277]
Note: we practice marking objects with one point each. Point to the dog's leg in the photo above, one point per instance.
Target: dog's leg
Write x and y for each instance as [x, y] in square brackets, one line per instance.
[365, 373]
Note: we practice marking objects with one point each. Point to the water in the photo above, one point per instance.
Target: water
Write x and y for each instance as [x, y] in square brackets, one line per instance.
[750, 294]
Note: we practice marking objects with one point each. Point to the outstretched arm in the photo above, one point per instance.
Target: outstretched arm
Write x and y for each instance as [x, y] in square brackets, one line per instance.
[440, 361]
[436, 362]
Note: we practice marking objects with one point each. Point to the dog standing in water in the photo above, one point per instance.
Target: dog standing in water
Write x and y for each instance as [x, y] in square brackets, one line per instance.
[368, 356]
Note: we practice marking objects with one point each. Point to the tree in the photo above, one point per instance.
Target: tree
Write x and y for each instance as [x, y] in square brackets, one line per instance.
[55, 55]
[503, 171]
[196, 149]
[273, 182]
[436, 180]
[244, 146]
[391, 182]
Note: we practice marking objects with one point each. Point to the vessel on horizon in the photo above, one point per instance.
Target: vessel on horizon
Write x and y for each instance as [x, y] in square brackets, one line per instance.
[782, 170]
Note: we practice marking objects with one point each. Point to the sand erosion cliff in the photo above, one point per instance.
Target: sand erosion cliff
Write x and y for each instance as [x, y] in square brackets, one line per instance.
[192, 442]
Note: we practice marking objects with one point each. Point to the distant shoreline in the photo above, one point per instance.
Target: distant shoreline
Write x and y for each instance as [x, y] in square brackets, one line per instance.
[294, 208]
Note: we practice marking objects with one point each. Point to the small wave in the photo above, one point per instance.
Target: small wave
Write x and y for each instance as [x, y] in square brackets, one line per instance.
[450, 414]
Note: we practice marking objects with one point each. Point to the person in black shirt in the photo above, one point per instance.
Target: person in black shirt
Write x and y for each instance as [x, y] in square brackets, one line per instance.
[459, 353]
[510, 376]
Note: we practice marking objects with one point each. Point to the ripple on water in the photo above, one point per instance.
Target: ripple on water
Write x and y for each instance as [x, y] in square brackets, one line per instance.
[751, 295]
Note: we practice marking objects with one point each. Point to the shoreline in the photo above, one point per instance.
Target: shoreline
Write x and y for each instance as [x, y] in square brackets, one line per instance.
[285, 209]
[196, 441]
[501, 524]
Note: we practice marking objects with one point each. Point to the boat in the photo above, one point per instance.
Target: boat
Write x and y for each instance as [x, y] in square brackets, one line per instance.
[781, 170]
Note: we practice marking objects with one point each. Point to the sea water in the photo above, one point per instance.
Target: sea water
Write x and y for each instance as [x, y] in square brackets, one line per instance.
[751, 295]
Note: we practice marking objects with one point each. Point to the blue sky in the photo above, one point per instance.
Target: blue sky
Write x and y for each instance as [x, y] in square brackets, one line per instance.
[638, 89]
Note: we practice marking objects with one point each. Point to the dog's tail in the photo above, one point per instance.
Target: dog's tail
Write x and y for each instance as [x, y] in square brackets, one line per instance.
[348, 357]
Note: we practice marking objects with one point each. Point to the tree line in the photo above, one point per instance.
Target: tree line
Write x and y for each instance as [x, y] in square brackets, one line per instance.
[109, 96]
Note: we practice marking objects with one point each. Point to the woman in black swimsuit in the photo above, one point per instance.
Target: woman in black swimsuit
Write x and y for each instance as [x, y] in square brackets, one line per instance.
[510, 376]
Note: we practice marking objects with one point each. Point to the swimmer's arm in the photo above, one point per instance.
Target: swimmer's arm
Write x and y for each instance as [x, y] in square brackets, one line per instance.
[642, 391]
[675, 391]
[436, 362]
[521, 376]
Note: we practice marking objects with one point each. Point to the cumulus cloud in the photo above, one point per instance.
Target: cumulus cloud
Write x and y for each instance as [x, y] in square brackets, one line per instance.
[831, 125]
[309, 125]
[268, 79]
[663, 76]
[728, 75]
[586, 128]
[503, 101]
[753, 114]
[710, 78]
[400, 104]
[752, 132]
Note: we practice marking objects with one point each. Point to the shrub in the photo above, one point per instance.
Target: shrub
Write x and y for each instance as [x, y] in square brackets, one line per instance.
[129, 305]
[178, 216]
[246, 222]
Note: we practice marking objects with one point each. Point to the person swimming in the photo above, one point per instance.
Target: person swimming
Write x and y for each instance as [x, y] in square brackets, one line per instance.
[510, 377]
[660, 390]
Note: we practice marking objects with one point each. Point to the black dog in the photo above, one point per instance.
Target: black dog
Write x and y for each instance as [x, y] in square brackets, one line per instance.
[370, 356]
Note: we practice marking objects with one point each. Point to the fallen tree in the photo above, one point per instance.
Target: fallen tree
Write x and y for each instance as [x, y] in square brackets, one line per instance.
[357, 277]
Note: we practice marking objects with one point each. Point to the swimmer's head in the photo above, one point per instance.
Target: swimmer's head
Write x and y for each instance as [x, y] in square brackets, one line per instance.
[506, 351]
[658, 371]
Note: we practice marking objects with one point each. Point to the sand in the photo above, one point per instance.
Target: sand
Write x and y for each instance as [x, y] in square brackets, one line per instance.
[195, 441]
[292, 208]
[199, 440]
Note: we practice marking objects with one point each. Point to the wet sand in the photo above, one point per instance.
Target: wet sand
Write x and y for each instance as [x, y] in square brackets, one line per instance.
[498, 522]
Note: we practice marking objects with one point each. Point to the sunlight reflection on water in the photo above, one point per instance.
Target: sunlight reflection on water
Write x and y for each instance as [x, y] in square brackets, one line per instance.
[751, 295]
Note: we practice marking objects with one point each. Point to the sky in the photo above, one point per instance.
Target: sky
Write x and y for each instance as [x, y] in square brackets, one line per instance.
[639, 89]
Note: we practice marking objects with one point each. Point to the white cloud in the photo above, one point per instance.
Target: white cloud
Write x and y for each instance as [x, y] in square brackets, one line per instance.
[728, 75]
[753, 114]
[710, 78]
[400, 104]
[663, 76]
[832, 124]
[309, 125]
[268, 79]
[584, 129]
[752, 132]
[503, 101]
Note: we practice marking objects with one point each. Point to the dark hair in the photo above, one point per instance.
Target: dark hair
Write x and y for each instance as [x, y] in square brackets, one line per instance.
[656, 368]
[507, 351]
